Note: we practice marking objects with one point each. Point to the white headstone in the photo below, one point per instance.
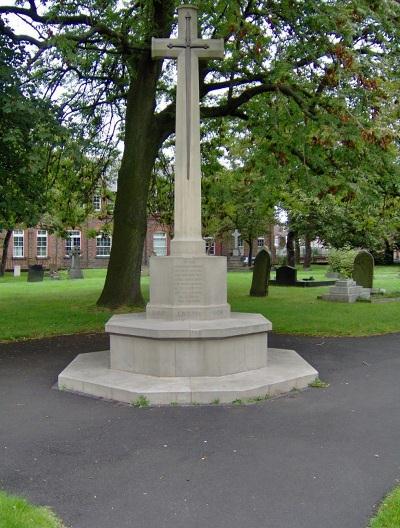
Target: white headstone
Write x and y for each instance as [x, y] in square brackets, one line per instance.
[17, 270]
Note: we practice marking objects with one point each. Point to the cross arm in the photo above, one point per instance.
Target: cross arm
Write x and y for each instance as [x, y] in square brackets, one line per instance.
[209, 48]
[161, 48]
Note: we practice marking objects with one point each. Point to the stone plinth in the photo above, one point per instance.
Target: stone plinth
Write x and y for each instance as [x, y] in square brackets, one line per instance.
[345, 291]
[188, 288]
[188, 348]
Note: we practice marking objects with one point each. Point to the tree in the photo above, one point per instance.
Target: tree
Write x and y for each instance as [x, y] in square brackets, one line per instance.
[24, 130]
[304, 52]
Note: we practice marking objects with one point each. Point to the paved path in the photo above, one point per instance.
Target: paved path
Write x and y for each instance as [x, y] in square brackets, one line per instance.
[317, 459]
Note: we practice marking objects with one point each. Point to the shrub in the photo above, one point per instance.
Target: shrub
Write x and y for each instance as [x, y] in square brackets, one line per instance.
[342, 260]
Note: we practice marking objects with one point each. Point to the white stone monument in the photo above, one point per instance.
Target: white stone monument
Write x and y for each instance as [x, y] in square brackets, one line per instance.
[236, 249]
[188, 346]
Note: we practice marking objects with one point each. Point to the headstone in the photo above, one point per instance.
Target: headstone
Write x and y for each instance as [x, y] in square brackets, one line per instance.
[17, 270]
[35, 273]
[261, 272]
[75, 271]
[236, 250]
[363, 270]
[286, 276]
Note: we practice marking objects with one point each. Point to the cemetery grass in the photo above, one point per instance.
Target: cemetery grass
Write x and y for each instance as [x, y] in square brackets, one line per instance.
[388, 515]
[51, 307]
[16, 512]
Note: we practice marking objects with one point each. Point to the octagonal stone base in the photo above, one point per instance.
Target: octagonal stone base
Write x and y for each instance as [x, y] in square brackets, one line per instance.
[187, 361]
[162, 348]
[90, 374]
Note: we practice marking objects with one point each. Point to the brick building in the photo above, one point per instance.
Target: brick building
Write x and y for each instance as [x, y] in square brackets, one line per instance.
[38, 246]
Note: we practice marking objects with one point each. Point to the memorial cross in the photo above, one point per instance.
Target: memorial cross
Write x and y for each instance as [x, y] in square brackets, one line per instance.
[236, 235]
[187, 49]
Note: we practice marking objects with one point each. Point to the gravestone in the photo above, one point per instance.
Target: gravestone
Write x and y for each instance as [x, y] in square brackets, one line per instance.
[363, 270]
[236, 249]
[75, 271]
[35, 273]
[261, 272]
[17, 270]
[286, 276]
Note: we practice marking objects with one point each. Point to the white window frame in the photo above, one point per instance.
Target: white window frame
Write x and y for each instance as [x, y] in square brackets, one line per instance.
[73, 234]
[260, 242]
[240, 242]
[101, 247]
[42, 236]
[96, 203]
[210, 245]
[18, 234]
[158, 249]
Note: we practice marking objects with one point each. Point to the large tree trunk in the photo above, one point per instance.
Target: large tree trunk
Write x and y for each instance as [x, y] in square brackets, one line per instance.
[291, 257]
[142, 141]
[250, 244]
[308, 252]
[6, 243]
[297, 250]
[143, 138]
[389, 255]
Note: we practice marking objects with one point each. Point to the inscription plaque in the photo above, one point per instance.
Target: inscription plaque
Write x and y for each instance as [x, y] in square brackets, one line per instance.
[188, 283]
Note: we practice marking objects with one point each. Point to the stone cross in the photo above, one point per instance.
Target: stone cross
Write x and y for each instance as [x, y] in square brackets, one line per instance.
[187, 49]
[236, 235]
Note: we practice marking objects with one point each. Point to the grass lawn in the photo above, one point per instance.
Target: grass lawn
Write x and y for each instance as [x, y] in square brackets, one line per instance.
[31, 310]
[388, 515]
[18, 513]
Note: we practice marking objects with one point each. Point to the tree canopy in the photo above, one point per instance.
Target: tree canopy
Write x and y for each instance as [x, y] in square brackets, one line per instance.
[313, 81]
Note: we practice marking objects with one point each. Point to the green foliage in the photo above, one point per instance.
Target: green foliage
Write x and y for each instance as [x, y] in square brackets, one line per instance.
[306, 99]
[16, 512]
[318, 384]
[141, 402]
[342, 261]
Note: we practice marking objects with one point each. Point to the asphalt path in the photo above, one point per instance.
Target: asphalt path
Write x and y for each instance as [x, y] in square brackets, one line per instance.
[320, 458]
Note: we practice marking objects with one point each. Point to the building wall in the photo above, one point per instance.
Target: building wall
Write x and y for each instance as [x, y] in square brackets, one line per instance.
[57, 256]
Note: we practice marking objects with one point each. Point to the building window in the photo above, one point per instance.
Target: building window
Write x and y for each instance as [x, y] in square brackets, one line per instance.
[240, 242]
[97, 202]
[103, 245]
[210, 246]
[276, 241]
[18, 247]
[260, 242]
[73, 241]
[160, 244]
[41, 243]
